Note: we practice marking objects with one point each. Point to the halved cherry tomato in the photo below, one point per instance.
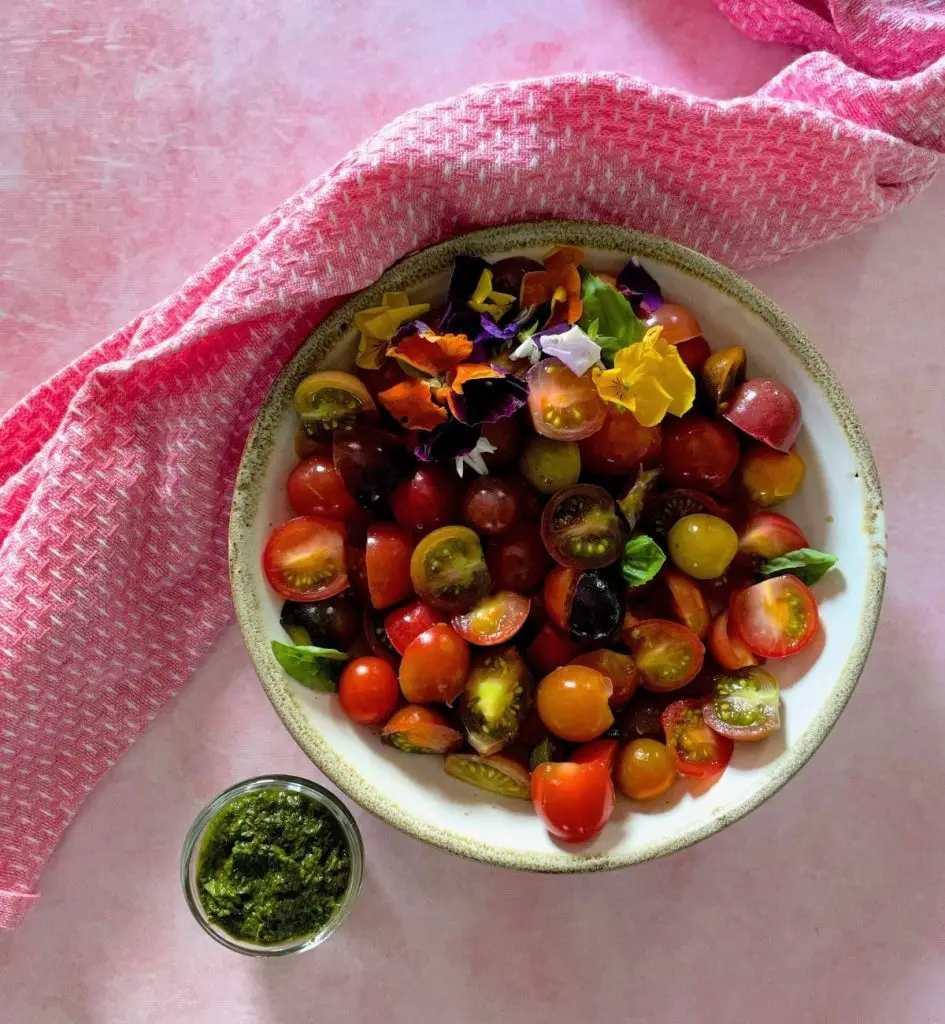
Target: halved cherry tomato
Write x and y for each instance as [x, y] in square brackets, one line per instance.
[723, 370]
[573, 703]
[494, 619]
[601, 751]
[426, 500]
[387, 564]
[687, 602]
[770, 535]
[404, 625]
[744, 705]
[621, 445]
[770, 477]
[419, 730]
[776, 617]
[696, 749]
[766, 410]
[332, 400]
[574, 801]
[435, 666]
[496, 699]
[618, 668]
[563, 406]
[727, 647]
[558, 593]
[377, 638]
[645, 769]
[550, 650]
[368, 691]
[667, 654]
[448, 569]
[581, 528]
[518, 560]
[698, 453]
[315, 489]
[677, 322]
[304, 559]
[495, 774]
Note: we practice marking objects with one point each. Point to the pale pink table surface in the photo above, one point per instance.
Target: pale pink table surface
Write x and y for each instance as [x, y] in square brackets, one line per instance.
[135, 144]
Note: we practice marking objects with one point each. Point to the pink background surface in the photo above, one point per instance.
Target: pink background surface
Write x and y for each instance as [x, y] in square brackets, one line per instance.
[133, 147]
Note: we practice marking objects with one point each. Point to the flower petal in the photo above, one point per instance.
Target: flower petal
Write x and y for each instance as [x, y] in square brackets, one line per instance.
[411, 404]
[432, 354]
[650, 401]
[481, 398]
[573, 347]
[447, 441]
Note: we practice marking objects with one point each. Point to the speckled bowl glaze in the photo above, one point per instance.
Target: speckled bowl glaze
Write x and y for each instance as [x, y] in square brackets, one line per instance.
[839, 507]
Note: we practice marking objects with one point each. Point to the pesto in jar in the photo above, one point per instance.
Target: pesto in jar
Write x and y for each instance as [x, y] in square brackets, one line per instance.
[274, 865]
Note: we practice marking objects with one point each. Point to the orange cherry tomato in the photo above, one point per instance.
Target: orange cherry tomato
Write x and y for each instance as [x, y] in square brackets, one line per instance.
[435, 666]
[696, 749]
[419, 730]
[775, 618]
[728, 649]
[770, 477]
[494, 619]
[645, 769]
[574, 801]
[563, 406]
[687, 602]
[621, 445]
[618, 668]
[387, 564]
[573, 702]
[667, 654]
[368, 691]
[304, 559]
[600, 751]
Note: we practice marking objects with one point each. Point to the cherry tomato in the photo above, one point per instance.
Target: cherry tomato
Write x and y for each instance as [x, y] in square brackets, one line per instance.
[667, 654]
[618, 668]
[490, 505]
[387, 375]
[419, 730]
[597, 609]
[664, 510]
[723, 370]
[574, 801]
[770, 535]
[404, 625]
[518, 560]
[315, 489]
[728, 649]
[744, 705]
[550, 465]
[550, 650]
[448, 569]
[645, 769]
[558, 593]
[694, 352]
[677, 322]
[304, 559]
[601, 751]
[306, 446]
[621, 445]
[766, 410]
[506, 437]
[702, 546]
[387, 564]
[331, 400]
[563, 406]
[368, 691]
[687, 602]
[435, 666]
[495, 774]
[377, 638]
[496, 699]
[696, 749]
[507, 274]
[494, 619]
[770, 477]
[573, 702]
[581, 528]
[776, 617]
[698, 453]
[640, 719]
[370, 462]
[426, 500]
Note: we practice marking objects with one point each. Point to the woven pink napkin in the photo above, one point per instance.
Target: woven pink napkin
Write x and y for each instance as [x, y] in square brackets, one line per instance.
[115, 476]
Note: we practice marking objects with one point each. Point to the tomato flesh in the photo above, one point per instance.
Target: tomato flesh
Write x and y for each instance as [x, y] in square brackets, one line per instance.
[304, 559]
[727, 647]
[744, 705]
[687, 602]
[581, 528]
[435, 666]
[697, 750]
[368, 691]
[574, 801]
[494, 619]
[387, 564]
[448, 569]
[563, 406]
[775, 618]
[770, 535]
[420, 730]
[667, 654]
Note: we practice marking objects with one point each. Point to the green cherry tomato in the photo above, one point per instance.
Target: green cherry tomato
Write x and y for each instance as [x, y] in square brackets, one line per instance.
[702, 546]
[550, 465]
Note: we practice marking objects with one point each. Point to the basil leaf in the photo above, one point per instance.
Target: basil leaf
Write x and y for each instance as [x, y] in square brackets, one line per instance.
[806, 564]
[642, 560]
[542, 752]
[608, 318]
[318, 668]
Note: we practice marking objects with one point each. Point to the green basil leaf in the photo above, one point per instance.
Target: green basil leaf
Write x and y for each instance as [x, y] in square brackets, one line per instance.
[542, 752]
[608, 318]
[642, 560]
[318, 668]
[806, 564]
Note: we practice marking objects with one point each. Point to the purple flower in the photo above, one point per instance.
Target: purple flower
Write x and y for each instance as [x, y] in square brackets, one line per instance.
[489, 399]
[449, 441]
[640, 288]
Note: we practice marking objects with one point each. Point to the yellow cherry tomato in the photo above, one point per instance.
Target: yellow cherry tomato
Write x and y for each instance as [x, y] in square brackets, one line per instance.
[771, 477]
[702, 546]
[644, 769]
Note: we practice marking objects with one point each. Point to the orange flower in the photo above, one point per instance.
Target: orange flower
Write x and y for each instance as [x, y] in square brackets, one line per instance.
[432, 354]
[559, 283]
[470, 371]
[411, 404]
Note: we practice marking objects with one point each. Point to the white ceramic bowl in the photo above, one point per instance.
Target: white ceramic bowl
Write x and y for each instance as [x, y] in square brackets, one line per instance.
[839, 508]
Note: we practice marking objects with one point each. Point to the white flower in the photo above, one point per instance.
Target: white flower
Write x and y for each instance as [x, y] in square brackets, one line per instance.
[527, 350]
[474, 459]
[574, 348]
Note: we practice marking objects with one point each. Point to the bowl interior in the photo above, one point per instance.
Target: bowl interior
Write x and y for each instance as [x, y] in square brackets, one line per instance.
[839, 508]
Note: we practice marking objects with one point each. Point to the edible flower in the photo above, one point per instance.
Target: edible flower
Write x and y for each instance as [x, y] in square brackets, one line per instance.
[431, 353]
[474, 458]
[559, 283]
[459, 317]
[640, 288]
[573, 347]
[485, 300]
[649, 378]
[379, 324]
[485, 394]
[450, 440]
[411, 404]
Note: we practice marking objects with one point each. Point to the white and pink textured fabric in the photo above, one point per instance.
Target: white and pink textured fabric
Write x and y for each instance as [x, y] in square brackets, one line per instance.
[115, 475]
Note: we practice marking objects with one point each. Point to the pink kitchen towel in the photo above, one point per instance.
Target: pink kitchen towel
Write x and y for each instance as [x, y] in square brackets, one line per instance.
[116, 474]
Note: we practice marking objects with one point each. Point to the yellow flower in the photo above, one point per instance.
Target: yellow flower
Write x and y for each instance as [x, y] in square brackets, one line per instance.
[485, 300]
[649, 378]
[379, 324]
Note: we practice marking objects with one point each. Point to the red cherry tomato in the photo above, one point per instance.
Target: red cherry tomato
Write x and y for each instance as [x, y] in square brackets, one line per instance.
[506, 437]
[435, 666]
[368, 691]
[490, 505]
[667, 654]
[386, 376]
[687, 602]
[494, 619]
[677, 322]
[404, 625]
[621, 445]
[698, 453]
[387, 564]
[315, 489]
[694, 352]
[550, 650]
[597, 751]
[427, 500]
[728, 649]
[563, 406]
[770, 535]
[518, 560]
[766, 410]
[304, 559]
[618, 668]
[697, 750]
[558, 593]
[574, 801]
[776, 617]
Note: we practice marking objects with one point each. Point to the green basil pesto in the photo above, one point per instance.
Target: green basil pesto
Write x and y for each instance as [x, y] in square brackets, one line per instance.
[273, 866]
